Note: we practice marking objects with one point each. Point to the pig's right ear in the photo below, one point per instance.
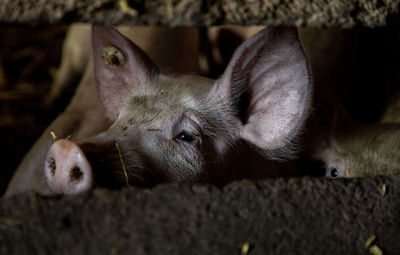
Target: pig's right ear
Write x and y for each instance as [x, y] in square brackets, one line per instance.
[120, 66]
[271, 72]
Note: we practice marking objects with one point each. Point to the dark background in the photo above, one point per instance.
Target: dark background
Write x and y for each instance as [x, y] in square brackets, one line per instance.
[29, 57]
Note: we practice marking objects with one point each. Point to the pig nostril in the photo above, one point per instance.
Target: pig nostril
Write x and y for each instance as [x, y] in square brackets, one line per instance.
[52, 166]
[76, 174]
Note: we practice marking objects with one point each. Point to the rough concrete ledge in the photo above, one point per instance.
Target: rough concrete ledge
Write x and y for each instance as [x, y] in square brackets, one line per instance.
[297, 216]
[324, 13]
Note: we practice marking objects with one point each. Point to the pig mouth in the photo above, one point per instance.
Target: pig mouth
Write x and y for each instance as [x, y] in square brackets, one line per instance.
[110, 172]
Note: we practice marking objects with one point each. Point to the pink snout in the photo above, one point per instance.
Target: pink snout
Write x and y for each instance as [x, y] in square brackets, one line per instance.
[67, 169]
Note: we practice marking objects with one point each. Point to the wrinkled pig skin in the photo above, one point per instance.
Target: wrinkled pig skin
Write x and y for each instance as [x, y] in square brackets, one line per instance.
[149, 124]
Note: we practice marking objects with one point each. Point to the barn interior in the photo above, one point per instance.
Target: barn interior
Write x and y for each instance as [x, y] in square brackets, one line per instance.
[353, 52]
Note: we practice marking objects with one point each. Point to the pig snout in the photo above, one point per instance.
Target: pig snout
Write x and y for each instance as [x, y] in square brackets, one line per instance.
[67, 169]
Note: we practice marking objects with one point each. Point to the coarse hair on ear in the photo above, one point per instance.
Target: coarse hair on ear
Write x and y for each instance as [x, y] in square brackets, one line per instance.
[271, 69]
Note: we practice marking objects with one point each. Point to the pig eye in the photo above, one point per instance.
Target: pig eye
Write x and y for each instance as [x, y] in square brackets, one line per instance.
[186, 136]
[334, 172]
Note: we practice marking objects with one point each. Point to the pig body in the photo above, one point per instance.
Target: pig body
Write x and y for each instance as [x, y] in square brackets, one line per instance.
[150, 125]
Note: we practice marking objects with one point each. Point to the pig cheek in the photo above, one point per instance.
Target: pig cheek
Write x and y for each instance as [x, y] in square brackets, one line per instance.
[221, 147]
[192, 154]
[182, 157]
[183, 162]
[214, 151]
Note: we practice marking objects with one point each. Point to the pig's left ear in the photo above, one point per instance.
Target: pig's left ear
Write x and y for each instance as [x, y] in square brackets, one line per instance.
[272, 71]
[119, 66]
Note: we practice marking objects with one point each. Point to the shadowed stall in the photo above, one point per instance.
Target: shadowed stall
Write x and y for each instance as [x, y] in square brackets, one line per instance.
[275, 216]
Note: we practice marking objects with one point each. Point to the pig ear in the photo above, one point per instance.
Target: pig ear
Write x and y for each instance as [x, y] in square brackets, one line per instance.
[120, 66]
[272, 71]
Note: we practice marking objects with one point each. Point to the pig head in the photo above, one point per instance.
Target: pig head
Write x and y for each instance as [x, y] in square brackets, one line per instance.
[175, 127]
[347, 148]
[351, 149]
[84, 116]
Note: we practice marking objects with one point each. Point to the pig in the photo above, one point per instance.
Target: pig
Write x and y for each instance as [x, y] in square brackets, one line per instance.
[352, 149]
[150, 125]
[84, 116]
[346, 147]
